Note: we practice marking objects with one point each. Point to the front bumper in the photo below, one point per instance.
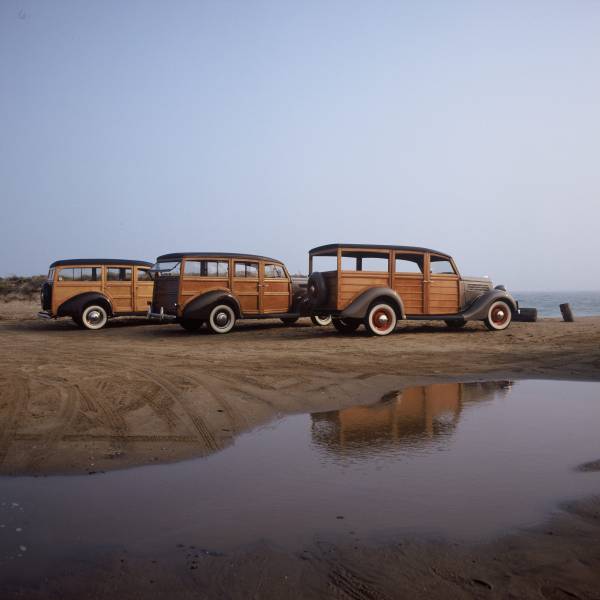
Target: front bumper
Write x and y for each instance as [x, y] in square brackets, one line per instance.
[43, 314]
[160, 316]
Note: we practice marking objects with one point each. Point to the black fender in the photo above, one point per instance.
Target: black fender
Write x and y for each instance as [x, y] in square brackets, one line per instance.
[199, 307]
[73, 307]
[359, 306]
[479, 309]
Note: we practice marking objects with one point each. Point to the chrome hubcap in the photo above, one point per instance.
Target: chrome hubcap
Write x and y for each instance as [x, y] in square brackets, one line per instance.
[94, 317]
[382, 319]
[500, 315]
[222, 319]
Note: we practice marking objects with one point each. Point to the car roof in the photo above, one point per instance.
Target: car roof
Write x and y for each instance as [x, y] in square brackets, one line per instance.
[180, 255]
[99, 261]
[335, 246]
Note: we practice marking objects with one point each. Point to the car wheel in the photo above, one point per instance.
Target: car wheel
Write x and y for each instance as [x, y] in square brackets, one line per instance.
[381, 319]
[221, 319]
[499, 316]
[94, 317]
[321, 320]
[191, 324]
[455, 324]
[289, 320]
[346, 325]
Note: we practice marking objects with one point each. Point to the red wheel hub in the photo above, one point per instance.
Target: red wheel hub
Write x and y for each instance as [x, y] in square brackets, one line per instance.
[500, 315]
[382, 319]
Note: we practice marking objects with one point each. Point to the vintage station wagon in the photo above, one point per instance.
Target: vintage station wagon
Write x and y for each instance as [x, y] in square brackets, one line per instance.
[194, 288]
[379, 285]
[92, 290]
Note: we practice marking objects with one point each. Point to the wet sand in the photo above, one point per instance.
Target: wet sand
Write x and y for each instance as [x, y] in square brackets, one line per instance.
[73, 401]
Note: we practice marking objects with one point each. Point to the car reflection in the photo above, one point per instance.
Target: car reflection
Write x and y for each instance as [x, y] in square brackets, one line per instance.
[412, 415]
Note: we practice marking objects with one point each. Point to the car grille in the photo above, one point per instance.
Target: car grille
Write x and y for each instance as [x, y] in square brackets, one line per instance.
[165, 294]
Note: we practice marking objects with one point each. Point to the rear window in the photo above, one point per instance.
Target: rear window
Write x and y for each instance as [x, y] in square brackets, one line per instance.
[80, 274]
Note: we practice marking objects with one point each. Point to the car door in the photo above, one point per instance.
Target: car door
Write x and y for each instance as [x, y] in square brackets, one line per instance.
[275, 290]
[143, 289]
[246, 285]
[409, 281]
[119, 287]
[442, 286]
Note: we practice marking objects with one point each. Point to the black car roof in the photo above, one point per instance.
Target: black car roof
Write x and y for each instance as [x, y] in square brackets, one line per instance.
[335, 246]
[99, 261]
[180, 255]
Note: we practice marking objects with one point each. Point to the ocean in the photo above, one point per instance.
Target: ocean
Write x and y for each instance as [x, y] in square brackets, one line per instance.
[583, 304]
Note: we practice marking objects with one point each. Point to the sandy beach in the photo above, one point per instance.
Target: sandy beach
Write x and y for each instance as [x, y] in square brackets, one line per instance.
[80, 402]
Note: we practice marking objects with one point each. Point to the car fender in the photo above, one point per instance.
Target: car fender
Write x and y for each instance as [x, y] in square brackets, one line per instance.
[359, 306]
[479, 309]
[74, 306]
[199, 307]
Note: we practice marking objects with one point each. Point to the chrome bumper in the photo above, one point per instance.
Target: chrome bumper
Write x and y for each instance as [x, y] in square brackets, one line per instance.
[44, 315]
[160, 316]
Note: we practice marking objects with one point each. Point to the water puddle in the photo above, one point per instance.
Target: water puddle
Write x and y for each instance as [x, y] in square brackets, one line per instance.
[465, 460]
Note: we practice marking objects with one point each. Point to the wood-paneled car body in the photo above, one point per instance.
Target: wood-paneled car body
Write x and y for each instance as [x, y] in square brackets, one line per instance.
[379, 285]
[194, 288]
[92, 290]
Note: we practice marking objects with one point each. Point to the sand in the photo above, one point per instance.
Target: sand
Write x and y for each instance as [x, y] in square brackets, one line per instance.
[73, 401]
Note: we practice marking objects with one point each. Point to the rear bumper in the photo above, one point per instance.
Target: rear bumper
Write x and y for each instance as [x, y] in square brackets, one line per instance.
[44, 315]
[160, 316]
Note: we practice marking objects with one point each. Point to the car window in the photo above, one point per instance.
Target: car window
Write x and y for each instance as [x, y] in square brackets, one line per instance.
[144, 275]
[409, 263]
[207, 268]
[274, 272]
[51, 274]
[441, 266]
[118, 274]
[246, 269]
[166, 269]
[364, 261]
[79, 274]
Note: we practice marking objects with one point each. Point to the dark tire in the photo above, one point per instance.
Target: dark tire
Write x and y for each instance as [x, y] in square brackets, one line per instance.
[346, 325]
[455, 324]
[94, 317]
[287, 321]
[380, 319]
[321, 320]
[526, 315]
[316, 289]
[192, 325]
[221, 319]
[499, 316]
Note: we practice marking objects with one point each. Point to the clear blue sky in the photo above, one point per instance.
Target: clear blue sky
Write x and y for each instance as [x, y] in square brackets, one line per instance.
[130, 129]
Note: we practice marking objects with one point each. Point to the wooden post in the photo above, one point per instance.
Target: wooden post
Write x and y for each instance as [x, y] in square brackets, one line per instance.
[567, 313]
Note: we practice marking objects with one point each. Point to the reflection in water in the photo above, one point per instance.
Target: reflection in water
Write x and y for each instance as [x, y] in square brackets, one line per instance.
[410, 416]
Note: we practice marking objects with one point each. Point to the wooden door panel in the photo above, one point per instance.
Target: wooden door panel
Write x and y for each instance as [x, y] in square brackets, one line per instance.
[276, 295]
[410, 289]
[352, 284]
[119, 293]
[247, 292]
[192, 286]
[143, 295]
[443, 295]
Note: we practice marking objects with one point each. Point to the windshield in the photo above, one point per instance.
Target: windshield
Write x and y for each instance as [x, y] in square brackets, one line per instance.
[51, 274]
[166, 269]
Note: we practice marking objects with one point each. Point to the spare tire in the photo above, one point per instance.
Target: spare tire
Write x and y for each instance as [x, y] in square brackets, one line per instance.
[316, 291]
[46, 296]
[526, 315]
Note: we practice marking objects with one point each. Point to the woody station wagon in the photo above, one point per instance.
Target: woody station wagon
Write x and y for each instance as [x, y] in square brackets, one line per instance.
[194, 288]
[379, 285]
[92, 290]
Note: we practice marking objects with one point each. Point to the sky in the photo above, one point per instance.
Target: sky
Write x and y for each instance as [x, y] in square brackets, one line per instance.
[132, 129]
